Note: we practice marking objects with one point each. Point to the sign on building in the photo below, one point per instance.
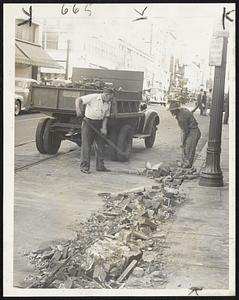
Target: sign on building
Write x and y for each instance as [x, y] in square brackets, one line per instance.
[215, 53]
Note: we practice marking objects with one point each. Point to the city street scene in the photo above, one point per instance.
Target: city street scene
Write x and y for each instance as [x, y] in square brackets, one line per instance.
[122, 180]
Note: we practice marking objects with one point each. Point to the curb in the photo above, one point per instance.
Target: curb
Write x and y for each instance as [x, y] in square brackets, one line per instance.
[201, 159]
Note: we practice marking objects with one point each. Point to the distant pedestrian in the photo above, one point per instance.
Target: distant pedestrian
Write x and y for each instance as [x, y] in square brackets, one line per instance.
[190, 132]
[97, 111]
[199, 103]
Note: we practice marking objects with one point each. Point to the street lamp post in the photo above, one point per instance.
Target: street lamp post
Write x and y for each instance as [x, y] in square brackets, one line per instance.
[67, 59]
[212, 175]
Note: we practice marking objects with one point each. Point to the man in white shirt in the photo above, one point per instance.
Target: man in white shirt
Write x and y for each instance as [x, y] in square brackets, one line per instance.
[97, 111]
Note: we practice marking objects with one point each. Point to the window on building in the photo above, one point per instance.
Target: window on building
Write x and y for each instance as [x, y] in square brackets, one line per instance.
[51, 41]
[26, 32]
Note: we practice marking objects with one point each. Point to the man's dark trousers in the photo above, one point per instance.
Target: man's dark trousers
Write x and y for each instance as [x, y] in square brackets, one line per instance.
[88, 136]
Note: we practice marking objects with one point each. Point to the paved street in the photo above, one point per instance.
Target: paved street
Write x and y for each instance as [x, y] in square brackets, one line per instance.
[25, 126]
[52, 196]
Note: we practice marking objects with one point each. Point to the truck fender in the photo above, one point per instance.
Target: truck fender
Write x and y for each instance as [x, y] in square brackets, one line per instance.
[151, 117]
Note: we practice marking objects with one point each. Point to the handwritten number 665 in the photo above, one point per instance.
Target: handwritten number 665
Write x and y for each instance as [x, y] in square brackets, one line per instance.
[75, 9]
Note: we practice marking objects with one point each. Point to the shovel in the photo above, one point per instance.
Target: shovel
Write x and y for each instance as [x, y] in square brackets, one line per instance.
[183, 153]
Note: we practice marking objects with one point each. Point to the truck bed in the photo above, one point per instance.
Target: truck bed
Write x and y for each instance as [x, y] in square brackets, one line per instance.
[62, 100]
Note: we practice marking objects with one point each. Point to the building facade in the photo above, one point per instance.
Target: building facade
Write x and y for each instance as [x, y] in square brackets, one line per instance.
[29, 55]
[89, 50]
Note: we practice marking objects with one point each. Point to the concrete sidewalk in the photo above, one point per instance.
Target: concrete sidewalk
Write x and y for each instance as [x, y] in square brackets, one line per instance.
[198, 235]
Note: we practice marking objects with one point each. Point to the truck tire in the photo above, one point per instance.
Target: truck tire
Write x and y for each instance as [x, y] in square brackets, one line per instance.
[124, 143]
[17, 107]
[113, 136]
[51, 140]
[149, 141]
[39, 135]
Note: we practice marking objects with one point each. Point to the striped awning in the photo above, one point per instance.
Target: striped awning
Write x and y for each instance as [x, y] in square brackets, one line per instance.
[32, 54]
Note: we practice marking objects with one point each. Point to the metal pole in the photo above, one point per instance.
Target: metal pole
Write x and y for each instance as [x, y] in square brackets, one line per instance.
[67, 59]
[212, 175]
[151, 39]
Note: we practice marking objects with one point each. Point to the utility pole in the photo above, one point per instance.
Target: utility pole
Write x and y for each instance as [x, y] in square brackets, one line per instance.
[67, 59]
[151, 39]
[212, 175]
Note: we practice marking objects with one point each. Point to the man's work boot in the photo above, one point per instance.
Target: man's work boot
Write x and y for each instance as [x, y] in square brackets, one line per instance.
[102, 169]
[84, 170]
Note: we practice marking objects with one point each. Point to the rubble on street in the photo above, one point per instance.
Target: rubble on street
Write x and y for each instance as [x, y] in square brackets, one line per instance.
[120, 245]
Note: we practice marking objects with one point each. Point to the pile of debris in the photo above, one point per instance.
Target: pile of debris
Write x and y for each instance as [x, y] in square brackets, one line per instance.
[125, 236]
[170, 175]
[89, 84]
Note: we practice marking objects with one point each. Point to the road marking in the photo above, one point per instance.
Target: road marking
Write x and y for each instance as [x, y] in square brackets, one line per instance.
[28, 119]
[28, 142]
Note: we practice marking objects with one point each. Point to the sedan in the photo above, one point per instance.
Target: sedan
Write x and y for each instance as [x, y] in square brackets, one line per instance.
[22, 91]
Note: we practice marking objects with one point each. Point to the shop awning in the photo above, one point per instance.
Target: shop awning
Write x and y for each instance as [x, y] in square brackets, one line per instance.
[34, 55]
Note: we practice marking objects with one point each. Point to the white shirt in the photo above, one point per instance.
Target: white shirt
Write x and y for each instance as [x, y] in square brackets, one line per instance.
[96, 109]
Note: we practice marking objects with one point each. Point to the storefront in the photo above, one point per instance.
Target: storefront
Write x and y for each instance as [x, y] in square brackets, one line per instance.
[29, 57]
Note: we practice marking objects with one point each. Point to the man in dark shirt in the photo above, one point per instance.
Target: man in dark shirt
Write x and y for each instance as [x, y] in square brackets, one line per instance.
[200, 104]
[190, 132]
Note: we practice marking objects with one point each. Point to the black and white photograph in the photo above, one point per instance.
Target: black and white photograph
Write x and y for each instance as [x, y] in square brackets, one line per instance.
[119, 149]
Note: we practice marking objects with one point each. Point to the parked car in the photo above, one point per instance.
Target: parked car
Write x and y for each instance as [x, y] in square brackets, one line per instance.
[157, 96]
[18, 101]
[22, 93]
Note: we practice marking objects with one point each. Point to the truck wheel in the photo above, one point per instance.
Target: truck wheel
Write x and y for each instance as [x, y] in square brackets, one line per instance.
[17, 107]
[124, 143]
[149, 141]
[39, 135]
[113, 136]
[51, 140]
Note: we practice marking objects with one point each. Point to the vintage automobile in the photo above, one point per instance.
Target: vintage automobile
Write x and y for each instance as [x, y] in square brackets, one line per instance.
[128, 119]
[22, 90]
[157, 96]
[18, 101]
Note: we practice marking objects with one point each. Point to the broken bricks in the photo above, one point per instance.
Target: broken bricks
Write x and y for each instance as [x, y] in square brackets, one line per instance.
[68, 283]
[148, 222]
[139, 235]
[138, 272]
[111, 243]
[56, 257]
[48, 254]
[170, 192]
[99, 273]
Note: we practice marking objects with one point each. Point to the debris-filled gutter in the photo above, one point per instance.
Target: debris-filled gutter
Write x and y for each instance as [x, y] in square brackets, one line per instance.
[125, 237]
